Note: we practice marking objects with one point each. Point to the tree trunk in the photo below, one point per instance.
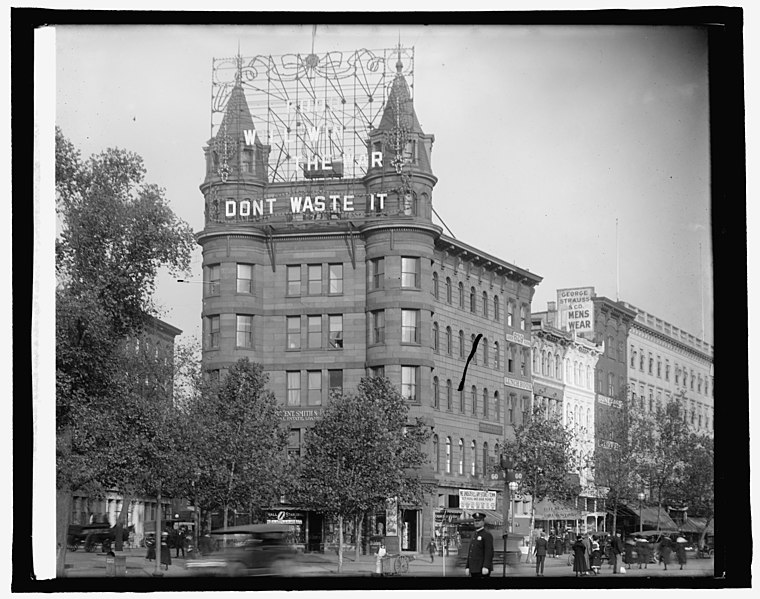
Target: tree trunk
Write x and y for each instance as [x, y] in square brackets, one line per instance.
[226, 508]
[340, 543]
[63, 503]
[123, 520]
[659, 505]
[614, 517]
[358, 535]
[530, 531]
[157, 571]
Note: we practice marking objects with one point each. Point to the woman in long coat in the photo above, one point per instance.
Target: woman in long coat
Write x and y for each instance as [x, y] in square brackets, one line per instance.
[559, 544]
[579, 561]
[666, 550]
[681, 551]
[642, 550]
[166, 552]
[630, 545]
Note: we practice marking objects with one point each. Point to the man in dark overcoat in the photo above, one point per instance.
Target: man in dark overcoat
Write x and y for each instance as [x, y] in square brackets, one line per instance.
[617, 552]
[542, 546]
[480, 555]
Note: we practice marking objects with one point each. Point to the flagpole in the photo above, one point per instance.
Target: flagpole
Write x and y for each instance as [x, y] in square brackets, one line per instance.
[617, 264]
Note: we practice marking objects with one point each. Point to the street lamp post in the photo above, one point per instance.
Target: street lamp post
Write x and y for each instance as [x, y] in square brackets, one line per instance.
[641, 520]
[512, 489]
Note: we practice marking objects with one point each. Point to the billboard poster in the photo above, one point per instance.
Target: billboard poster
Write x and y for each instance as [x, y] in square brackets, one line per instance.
[576, 309]
[475, 499]
[391, 517]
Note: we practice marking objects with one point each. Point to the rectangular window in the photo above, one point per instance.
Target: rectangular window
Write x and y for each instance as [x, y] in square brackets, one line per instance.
[213, 332]
[376, 273]
[336, 331]
[409, 382]
[294, 387]
[377, 371]
[523, 359]
[244, 331]
[336, 278]
[315, 388]
[378, 326]
[211, 284]
[294, 280]
[293, 332]
[410, 272]
[315, 279]
[245, 278]
[335, 381]
[409, 326]
[294, 441]
[315, 332]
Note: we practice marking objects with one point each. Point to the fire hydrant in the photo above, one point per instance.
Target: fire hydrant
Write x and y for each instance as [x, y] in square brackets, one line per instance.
[381, 552]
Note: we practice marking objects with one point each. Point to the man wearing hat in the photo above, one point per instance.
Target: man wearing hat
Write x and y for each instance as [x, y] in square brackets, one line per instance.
[480, 555]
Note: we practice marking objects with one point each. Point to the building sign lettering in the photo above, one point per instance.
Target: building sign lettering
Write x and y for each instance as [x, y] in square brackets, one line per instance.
[301, 414]
[576, 309]
[474, 499]
[608, 401]
[518, 338]
[510, 382]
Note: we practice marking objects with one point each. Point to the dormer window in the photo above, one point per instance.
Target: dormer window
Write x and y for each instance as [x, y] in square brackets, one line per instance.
[410, 152]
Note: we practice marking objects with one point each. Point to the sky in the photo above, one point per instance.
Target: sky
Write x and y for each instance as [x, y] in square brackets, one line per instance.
[580, 153]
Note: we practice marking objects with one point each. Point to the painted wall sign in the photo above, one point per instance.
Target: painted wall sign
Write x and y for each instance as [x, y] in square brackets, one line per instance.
[576, 309]
[301, 414]
[474, 499]
[518, 338]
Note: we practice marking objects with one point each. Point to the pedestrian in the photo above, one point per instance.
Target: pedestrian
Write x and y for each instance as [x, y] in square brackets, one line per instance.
[617, 553]
[681, 552]
[542, 546]
[569, 540]
[587, 554]
[579, 560]
[642, 551]
[431, 549]
[559, 543]
[666, 550]
[179, 543]
[630, 545]
[551, 541]
[381, 553]
[166, 553]
[596, 556]
[480, 555]
[150, 543]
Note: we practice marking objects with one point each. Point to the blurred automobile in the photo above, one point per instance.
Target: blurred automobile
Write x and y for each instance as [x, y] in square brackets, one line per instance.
[254, 550]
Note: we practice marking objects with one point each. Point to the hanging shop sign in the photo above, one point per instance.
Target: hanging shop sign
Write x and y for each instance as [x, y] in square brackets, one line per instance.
[475, 499]
[518, 384]
[576, 309]
[284, 517]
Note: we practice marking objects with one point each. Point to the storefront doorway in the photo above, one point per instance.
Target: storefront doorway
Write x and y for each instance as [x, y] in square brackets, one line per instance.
[409, 530]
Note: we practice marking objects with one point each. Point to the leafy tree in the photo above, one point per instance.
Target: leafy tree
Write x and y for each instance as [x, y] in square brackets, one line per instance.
[695, 487]
[659, 443]
[543, 452]
[235, 442]
[362, 451]
[115, 232]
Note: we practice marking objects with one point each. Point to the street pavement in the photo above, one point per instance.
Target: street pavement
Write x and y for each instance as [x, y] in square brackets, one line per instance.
[80, 564]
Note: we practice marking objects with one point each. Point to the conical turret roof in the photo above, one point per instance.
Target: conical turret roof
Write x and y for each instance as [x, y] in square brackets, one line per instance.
[237, 116]
[399, 109]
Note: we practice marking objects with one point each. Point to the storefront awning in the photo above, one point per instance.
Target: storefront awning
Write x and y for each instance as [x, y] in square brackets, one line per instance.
[649, 517]
[696, 525]
[493, 518]
[556, 510]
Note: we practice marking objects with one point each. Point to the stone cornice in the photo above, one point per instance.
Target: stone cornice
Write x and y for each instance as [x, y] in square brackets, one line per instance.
[660, 336]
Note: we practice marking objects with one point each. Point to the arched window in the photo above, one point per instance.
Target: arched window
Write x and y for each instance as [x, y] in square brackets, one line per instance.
[472, 299]
[551, 365]
[436, 389]
[435, 285]
[510, 313]
[543, 362]
[496, 312]
[474, 397]
[461, 456]
[461, 344]
[448, 290]
[575, 373]
[474, 458]
[448, 455]
[449, 341]
[497, 406]
[472, 344]
[559, 366]
[588, 420]
[484, 342]
[485, 403]
[448, 395]
[461, 295]
[588, 377]
[485, 305]
[580, 375]
[435, 337]
[496, 356]
[485, 459]
[436, 454]
[569, 371]
[523, 317]
[536, 360]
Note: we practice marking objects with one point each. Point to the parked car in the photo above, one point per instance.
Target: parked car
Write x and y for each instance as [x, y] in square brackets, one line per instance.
[252, 550]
